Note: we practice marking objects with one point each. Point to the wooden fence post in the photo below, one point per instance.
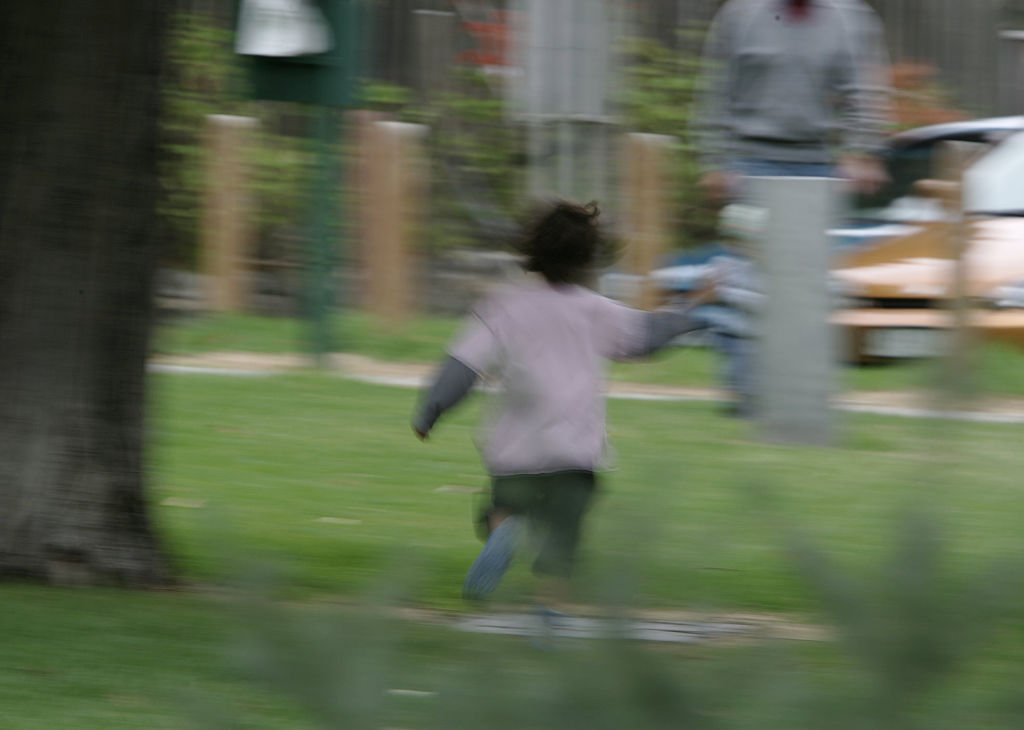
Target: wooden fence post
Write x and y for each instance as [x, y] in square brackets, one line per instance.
[226, 222]
[645, 208]
[394, 187]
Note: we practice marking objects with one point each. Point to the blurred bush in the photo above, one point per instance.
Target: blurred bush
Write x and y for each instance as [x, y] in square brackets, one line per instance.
[904, 653]
[203, 78]
[477, 155]
[659, 88]
[476, 159]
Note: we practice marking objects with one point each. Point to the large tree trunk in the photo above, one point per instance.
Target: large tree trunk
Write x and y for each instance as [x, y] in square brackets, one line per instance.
[79, 86]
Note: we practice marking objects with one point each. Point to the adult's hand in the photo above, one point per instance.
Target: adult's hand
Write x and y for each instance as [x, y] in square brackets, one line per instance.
[718, 185]
[864, 174]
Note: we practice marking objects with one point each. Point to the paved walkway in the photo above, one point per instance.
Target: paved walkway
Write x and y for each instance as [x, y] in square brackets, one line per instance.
[674, 627]
[695, 630]
[414, 375]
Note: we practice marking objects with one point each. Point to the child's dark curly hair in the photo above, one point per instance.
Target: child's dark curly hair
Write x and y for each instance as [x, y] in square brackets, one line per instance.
[563, 242]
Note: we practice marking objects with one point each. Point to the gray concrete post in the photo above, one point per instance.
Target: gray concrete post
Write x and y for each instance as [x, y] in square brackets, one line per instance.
[797, 347]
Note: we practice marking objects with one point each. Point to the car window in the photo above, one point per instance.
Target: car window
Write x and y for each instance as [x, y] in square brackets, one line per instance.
[908, 163]
[905, 166]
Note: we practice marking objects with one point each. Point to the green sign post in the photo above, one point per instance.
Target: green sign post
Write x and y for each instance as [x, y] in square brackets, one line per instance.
[308, 52]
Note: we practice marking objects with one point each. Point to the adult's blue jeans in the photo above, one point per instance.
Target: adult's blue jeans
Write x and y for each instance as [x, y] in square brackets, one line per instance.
[775, 168]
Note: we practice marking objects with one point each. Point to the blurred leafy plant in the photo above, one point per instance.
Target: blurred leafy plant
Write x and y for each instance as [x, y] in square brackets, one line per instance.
[659, 89]
[915, 626]
[385, 97]
[476, 159]
[205, 78]
[904, 637]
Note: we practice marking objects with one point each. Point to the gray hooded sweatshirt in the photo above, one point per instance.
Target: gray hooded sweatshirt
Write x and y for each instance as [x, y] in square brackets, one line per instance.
[791, 90]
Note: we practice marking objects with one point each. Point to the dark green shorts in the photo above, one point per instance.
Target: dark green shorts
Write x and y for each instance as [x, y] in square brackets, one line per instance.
[554, 505]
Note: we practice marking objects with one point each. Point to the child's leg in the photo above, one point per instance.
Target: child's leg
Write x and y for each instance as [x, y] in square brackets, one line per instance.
[488, 518]
[495, 517]
[566, 499]
[493, 561]
[568, 496]
[505, 522]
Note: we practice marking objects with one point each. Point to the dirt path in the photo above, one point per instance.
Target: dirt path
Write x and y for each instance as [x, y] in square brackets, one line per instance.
[402, 374]
[586, 621]
[675, 627]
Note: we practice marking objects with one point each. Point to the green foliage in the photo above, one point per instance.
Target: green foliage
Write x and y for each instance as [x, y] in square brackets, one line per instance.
[658, 98]
[479, 139]
[384, 97]
[910, 645]
[913, 626]
[201, 81]
[240, 659]
[204, 78]
[476, 159]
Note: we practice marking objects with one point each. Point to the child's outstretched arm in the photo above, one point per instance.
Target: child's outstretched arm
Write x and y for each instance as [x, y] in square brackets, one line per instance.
[451, 384]
[666, 324]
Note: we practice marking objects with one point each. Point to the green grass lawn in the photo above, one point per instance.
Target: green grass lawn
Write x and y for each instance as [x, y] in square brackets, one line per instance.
[318, 482]
[998, 368]
[332, 467]
[107, 660]
[421, 340]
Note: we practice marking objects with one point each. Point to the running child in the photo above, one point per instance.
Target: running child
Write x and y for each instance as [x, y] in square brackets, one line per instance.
[545, 341]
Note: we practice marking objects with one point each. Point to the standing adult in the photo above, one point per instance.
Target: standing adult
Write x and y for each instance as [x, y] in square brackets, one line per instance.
[789, 88]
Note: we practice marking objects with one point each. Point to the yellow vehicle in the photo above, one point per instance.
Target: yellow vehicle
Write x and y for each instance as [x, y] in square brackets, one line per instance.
[900, 292]
[897, 263]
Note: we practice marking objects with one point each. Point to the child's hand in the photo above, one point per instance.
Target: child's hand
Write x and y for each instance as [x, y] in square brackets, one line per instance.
[708, 290]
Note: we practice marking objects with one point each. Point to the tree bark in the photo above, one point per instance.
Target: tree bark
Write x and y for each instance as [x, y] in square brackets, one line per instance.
[79, 83]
